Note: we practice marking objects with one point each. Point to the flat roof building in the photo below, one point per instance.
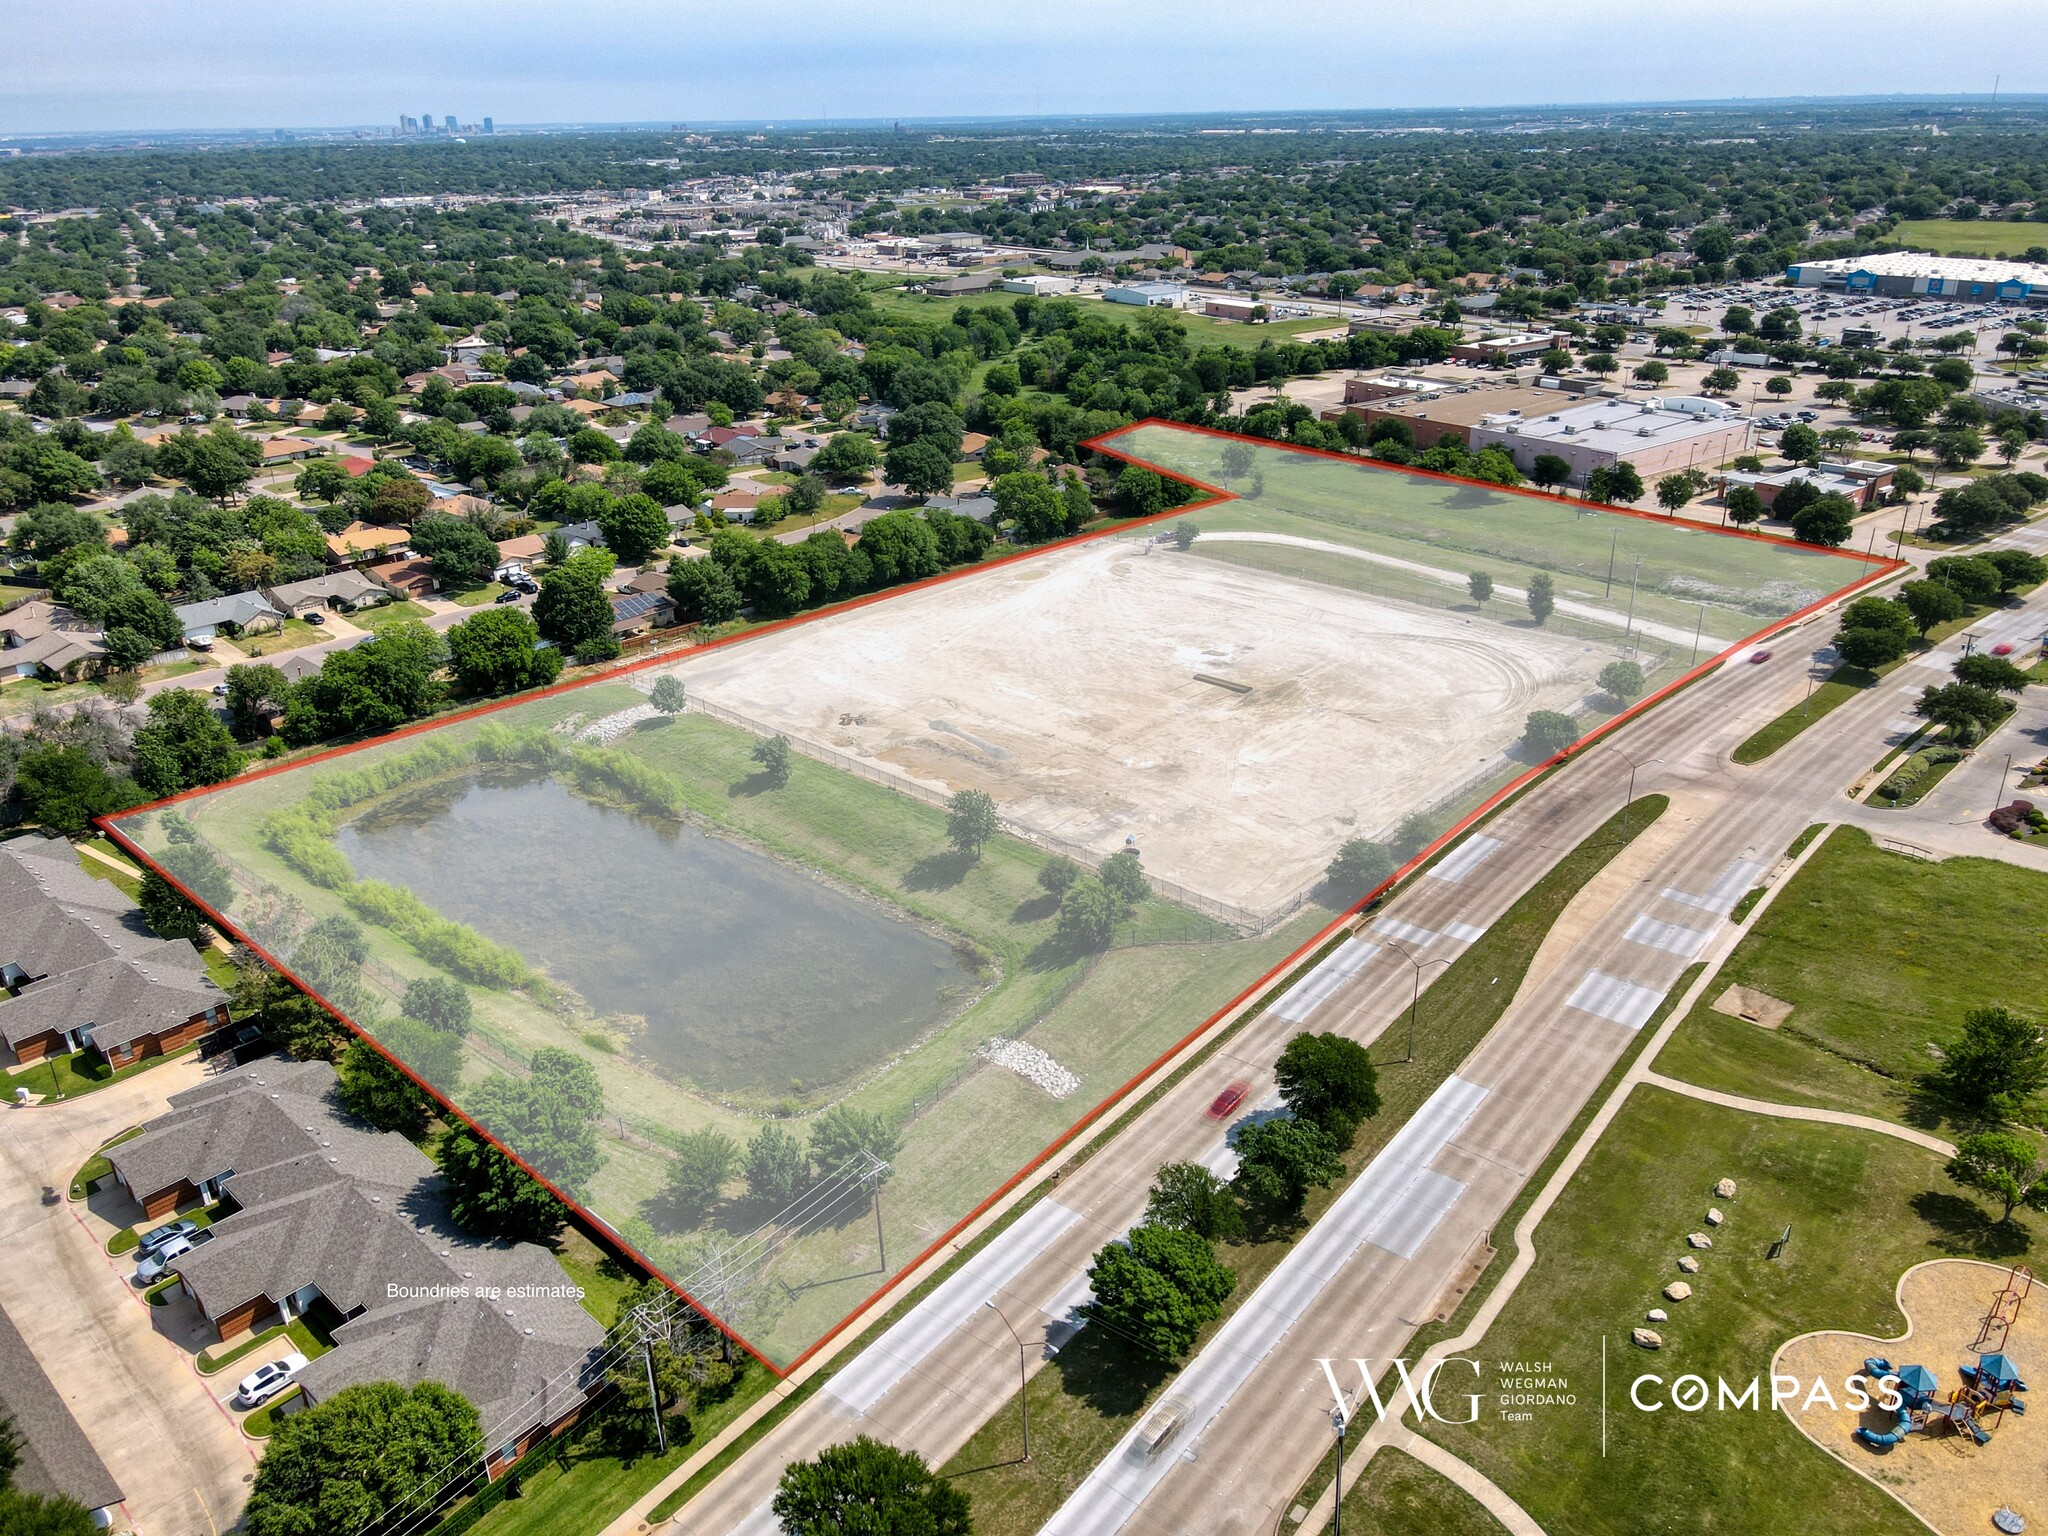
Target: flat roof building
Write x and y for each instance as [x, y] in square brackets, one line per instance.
[1967, 279]
[1437, 413]
[1600, 433]
[1158, 295]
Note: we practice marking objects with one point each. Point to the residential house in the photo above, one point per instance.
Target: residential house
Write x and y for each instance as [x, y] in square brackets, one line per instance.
[407, 578]
[629, 400]
[737, 503]
[85, 969]
[56, 1460]
[973, 445]
[362, 541]
[284, 450]
[979, 505]
[345, 590]
[43, 638]
[238, 612]
[524, 552]
[753, 450]
[634, 613]
[325, 1214]
[468, 349]
[690, 424]
[581, 536]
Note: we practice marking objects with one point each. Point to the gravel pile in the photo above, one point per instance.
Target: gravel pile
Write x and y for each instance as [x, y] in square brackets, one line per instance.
[1031, 1064]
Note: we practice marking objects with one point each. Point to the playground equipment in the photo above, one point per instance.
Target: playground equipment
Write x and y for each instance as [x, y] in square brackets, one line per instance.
[1988, 1393]
[2005, 1310]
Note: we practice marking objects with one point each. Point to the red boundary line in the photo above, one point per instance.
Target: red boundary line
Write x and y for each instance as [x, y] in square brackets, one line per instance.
[1887, 566]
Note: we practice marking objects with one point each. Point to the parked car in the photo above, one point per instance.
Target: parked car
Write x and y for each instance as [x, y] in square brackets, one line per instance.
[156, 1237]
[200, 643]
[316, 618]
[1226, 1102]
[509, 595]
[153, 1265]
[266, 1381]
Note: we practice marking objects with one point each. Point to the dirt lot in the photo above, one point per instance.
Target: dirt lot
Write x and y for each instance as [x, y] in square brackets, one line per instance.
[1070, 688]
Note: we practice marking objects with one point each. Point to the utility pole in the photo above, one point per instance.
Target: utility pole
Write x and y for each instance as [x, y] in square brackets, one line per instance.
[1023, 1381]
[1612, 545]
[1629, 628]
[1998, 795]
[1337, 1513]
[653, 1395]
[1698, 625]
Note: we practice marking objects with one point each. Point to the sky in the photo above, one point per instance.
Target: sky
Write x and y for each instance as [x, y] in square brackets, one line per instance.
[72, 66]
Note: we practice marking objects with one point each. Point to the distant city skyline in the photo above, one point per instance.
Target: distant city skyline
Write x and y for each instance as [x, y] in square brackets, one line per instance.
[95, 66]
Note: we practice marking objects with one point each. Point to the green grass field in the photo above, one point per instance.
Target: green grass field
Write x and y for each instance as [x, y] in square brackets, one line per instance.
[1399, 1496]
[1863, 1209]
[1970, 237]
[1202, 329]
[390, 613]
[1090, 1394]
[1879, 955]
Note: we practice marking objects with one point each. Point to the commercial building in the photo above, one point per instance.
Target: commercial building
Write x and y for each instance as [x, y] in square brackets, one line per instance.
[1597, 434]
[1041, 284]
[85, 970]
[1438, 412]
[1504, 351]
[1861, 480]
[1966, 279]
[324, 1213]
[1157, 295]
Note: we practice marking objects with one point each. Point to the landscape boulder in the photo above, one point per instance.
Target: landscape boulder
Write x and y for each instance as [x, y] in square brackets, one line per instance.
[1657, 1314]
[1647, 1338]
[1725, 1190]
[1689, 1265]
[1677, 1290]
[1698, 1240]
[1714, 1217]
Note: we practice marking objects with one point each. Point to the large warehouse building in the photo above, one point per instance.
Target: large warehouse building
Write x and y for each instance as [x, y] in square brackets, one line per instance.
[1656, 436]
[1912, 274]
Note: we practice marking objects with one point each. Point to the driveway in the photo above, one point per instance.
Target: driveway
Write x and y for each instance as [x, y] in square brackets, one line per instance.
[173, 1448]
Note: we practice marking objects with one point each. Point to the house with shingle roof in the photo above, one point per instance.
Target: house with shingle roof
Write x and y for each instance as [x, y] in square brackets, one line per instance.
[325, 1212]
[43, 638]
[56, 1458]
[86, 971]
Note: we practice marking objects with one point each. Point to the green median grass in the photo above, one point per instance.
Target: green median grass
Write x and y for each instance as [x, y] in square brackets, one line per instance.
[1086, 1398]
[1842, 685]
[1398, 1494]
[1879, 955]
[1863, 1208]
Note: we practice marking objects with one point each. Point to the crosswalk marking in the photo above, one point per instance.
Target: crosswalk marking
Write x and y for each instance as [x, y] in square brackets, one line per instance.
[1466, 857]
[1619, 1002]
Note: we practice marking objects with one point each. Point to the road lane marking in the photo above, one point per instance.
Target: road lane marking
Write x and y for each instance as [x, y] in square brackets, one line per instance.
[1466, 857]
[1618, 1001]
[1314, 989]
[1407, 933]
[1721, 896]
[1672, 938]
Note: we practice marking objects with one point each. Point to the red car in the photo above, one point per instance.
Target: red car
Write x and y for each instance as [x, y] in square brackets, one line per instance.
[1756, 658]
[1227, 1101]
[2003, 648]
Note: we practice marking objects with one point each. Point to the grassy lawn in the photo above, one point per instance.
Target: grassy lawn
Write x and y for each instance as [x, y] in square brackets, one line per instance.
[131, 885]
[97, 1167]
[1843, 684]
[290, 635]
[82, 1072]
[1879, 954]
[474, 597]
[602, 1278]
[296, 1334]
[1863, 1208]
[20, 695]
[374, 619]
[1399, 1496]
[1089, 1395]
[1970, 237]
[260, 1423]
[12, 593]
[587, 1487]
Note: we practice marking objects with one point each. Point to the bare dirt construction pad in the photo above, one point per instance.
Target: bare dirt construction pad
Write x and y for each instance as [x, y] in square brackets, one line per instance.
[1094, 692]
[1945, 1478]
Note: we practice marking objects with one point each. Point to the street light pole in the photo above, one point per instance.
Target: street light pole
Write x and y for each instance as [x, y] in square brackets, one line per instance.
[1629, 799]
[1998, 794]
[1023, 1382]
[1415, 997]
[1337, 1512]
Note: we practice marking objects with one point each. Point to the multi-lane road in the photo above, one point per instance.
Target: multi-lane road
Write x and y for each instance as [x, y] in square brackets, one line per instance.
[1374, 1267]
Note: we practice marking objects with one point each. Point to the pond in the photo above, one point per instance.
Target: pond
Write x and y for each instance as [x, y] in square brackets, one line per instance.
[751, 975]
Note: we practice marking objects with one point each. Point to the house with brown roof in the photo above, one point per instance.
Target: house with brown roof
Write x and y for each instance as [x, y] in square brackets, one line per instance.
[43, 638]
[359, 541]
[283, 450]
[408, 578]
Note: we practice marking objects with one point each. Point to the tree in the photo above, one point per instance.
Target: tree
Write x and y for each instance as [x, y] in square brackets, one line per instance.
[1993, 674]
[1800, 443]
[460, 551]
[1622, 679]
[2004, 1165]
[167, 911]
[183, 745]
[1619, 482]
[1140, 492]
[216, 464]
[1328, 1081]
[667, 694]
[1542, 597]
[1480, 586]
[1056, 876]
[971, 822]
[1719, 381]
[702, 591]
[2017, 568]
[1870, 647]
[63, 788]
[1828, 521]
[1652, 372]
[868, 1488]
[1999, 1062]
[1124, 877]
[549, 1117]
[774, 756]
[256, 691]
[1187, 1197]
[670, 1351]
[1962, 709]
[1778, 385]
[1550, 470]
[440, 1002]
[33, 1514]
[778, 1168]
[380, 683]
[1745, 506]
[1674, 491]
[920, 466]
[1089, 913]
[572, 608]
[1279, 1161]
[1931, 603]
[704, 1164]
[1158, 1288]
[1361, 865]
[846, 456]
[1030, 507]
[1237, 461]
[323, 480]
[353, 1461]
[491, 1196]
[1546, 733]
[1976, 580]
[498, 651]
[842, 1134]
[634, 527]
[377, 1092]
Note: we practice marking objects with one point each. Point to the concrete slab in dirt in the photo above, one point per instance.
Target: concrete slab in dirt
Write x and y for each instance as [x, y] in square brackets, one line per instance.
[1757, 1007]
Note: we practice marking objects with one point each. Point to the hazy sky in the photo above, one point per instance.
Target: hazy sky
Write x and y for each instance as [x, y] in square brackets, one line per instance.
[71, 65]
